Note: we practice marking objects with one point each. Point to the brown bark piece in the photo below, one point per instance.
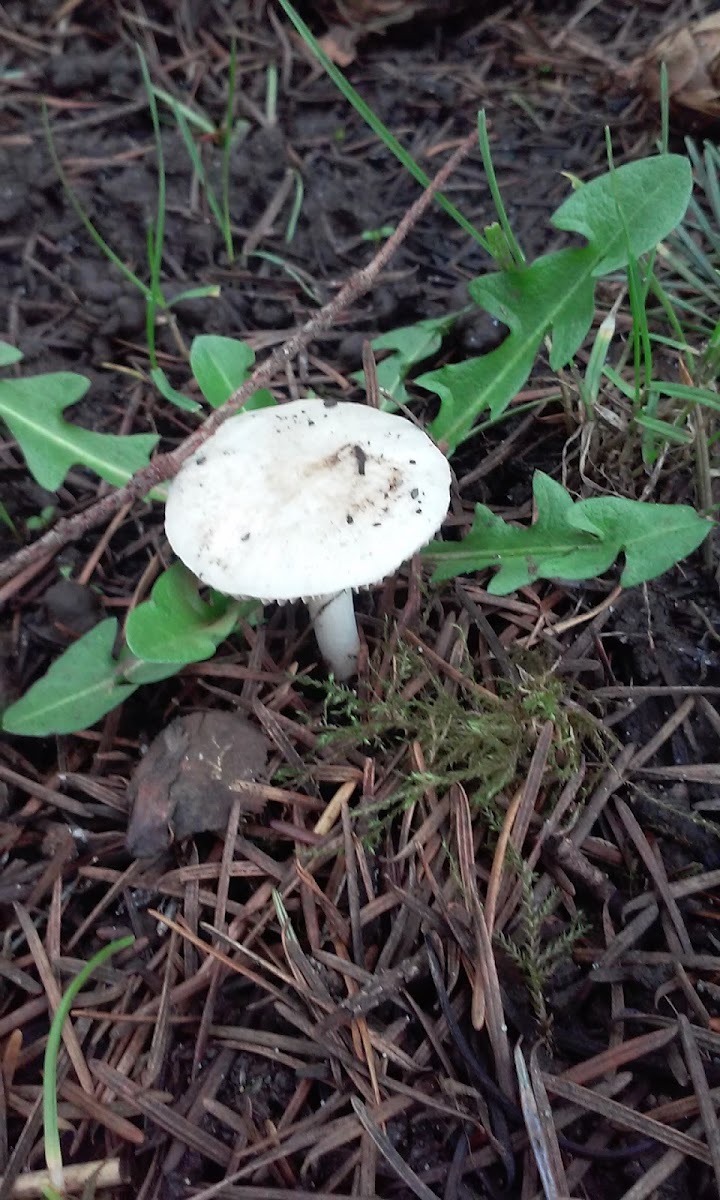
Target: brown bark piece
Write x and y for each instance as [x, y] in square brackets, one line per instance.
[190, 776]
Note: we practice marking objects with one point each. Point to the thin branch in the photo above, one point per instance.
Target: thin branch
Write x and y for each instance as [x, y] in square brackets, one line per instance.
[164, 466]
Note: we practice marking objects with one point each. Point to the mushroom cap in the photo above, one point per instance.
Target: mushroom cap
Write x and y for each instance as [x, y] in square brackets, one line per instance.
[306, 499]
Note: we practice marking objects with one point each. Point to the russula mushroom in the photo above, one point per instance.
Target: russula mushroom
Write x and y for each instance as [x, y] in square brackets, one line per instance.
[309, 500]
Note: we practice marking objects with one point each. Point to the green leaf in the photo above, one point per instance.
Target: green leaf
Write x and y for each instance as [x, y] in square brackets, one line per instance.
[572, 540]
[557, 290]
[84, 684]
[556, 293]
[654, 537]
[412, 344]
[9, 354]
[176, 625]
[684, 391]
[670, 433]
[220, 366]
[32, 410]
[203, 292]
[653, 194]
[166, 389]
[499, 246]
[42, 519]
[135, 671]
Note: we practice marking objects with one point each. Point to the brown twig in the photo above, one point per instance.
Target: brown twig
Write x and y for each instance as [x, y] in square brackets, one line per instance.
[106, 1173]
[164, 466]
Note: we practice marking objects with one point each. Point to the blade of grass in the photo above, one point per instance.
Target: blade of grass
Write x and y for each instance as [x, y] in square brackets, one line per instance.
[229, 134]
[296, 208]
[156, 233]
[664, 109]
[637, 292]
[294, 272]
[711, 158]
[389, 140]
[205, 291]
[203, 123]
[511, 240]
[53, 1153]
[658, 291]
[271, 88]
[671, 433]
[94, 233]
[590, 385]
[680, 268]
[199, 169]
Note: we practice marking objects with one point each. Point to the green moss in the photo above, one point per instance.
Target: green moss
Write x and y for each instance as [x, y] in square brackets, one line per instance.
[467, 735]
[535, 955]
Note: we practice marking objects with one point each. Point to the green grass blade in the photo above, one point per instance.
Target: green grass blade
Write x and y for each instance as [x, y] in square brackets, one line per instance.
[363, 109]
[227, 143]
[7, 520]
[96, 236]
[512, 242]
[271, 91]
[296, 208]
[203, 292]
[664, 109]
[683, 391]
[590, 385]
[301, 278]
[198, 119]
[658, 291]
[711, 159]
[680, 268]
[156, 240]
[663, 429]
[53, 1153]
[201, 173]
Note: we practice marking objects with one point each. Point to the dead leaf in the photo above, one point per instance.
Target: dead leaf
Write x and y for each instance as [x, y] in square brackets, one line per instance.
[340, 45]
[191, 774]
[376, 15]
[692, 57]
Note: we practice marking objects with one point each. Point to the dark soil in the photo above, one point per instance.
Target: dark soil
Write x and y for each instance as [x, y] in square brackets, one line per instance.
[214, 1059]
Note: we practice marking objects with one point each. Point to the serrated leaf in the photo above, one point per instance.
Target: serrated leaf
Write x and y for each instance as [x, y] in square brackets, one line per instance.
[176, 625]
[411, 344]
[572, 540]
[32, 409]
[9, 354]
[222, 364]
[84, 684]
[556, 293]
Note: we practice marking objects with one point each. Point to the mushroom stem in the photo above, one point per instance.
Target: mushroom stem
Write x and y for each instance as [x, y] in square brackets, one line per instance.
[336, 632]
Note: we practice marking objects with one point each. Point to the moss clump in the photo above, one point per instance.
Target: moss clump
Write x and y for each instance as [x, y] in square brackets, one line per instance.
[535, 953]
[467, 735]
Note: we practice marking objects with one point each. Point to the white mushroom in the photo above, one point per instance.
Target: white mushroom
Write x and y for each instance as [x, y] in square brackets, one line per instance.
[308, 500]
